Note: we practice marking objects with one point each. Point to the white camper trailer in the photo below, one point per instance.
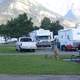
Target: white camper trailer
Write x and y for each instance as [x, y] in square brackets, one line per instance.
[69, 38]
[42, 37]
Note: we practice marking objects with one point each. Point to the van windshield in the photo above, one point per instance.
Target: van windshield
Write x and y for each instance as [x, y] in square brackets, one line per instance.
[25, 39]
[42, 37]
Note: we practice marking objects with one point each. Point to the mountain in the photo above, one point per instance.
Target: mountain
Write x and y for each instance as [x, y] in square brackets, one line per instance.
[70, 16]
[12, 8]
[70, 19]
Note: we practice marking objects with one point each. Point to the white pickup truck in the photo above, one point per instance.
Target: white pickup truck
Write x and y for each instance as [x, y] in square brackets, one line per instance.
[24, 43]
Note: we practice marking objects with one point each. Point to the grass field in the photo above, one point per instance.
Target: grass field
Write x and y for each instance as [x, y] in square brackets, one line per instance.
[7, 48]
[34, 64]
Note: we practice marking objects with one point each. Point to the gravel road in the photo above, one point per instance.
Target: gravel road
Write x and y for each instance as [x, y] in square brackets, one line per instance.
[39, 77]
[42, 51]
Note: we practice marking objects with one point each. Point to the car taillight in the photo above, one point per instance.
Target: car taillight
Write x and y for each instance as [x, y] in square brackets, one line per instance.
[69, 46]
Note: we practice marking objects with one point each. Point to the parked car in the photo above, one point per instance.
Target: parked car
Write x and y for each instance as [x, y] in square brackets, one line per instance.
[25, 43]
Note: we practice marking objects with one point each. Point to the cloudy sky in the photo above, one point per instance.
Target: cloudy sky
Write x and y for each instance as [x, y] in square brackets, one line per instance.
[2, 1]
[62, 6]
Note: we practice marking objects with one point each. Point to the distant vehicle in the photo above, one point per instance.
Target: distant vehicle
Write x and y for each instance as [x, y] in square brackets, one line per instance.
[2, 40]
[9, 40]
[25, 43]
[69, 38]
[42, 37]
[12, 40]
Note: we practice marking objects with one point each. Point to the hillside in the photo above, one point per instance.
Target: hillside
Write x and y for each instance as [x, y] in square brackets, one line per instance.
[12, 8]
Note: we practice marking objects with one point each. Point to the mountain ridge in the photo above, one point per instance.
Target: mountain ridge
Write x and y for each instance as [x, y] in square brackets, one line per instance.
[12, 8]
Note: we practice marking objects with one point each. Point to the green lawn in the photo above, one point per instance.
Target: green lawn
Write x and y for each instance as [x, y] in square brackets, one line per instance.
[7, 48]
[36, 65]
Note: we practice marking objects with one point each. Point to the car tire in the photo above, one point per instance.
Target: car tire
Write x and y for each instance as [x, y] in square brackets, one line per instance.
[19, 49]
[63, 48]
[16, 49]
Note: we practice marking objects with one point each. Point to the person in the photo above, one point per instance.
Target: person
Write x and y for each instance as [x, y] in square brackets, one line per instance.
[56, 50]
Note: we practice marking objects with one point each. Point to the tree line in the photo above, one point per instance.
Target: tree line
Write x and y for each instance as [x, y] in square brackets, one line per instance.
[22, 25]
